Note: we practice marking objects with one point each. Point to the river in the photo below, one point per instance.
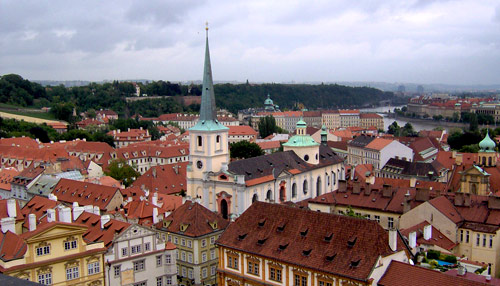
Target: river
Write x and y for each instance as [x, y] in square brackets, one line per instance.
[417, 124]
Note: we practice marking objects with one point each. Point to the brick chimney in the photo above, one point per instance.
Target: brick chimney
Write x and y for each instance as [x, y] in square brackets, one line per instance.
[356, 187]
[342, 186]
[386, 191]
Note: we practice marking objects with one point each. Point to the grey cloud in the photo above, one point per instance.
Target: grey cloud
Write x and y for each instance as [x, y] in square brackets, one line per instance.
[160, 12]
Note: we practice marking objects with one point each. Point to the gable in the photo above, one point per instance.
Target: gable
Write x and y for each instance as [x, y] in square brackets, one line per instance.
[55, 230]
[134, 231]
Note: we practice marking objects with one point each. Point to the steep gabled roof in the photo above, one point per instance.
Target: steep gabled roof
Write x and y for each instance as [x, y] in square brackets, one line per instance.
[12, 246]
[94, 231]
[196, 217]
[84, 193]
[165, 179]
[341, 245]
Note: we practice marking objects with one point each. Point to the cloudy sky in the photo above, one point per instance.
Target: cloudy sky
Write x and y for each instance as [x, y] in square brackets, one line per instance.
[419, 41]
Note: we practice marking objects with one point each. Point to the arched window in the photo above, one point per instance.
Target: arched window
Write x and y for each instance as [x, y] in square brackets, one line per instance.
[269, 195]
[484, 161]
[318, 187]
[255, 198]
[294, 190]
[218, 144]
[304, 187]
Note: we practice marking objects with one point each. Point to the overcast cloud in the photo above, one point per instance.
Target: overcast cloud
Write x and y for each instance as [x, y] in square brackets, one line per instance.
[421, 41]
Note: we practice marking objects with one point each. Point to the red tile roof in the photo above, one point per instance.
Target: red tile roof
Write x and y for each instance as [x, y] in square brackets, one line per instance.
[38, 205]
[437, 237]
[402, 274]
[6, 176]
[241, 130]
[4, 213]
[443, 205]
[25, 142]
[269, 144]
[370, 115]
[12, 246]
[165, 179]
[197, 217]
[309, 239]
[378, 143]
[84, 193]
[94, 231]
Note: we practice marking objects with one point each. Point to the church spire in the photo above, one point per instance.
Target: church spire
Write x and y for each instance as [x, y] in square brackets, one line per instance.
[207, 110]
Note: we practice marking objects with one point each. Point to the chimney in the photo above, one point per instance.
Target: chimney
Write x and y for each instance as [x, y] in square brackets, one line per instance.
[406, 202]
[97, 211]
[453, 154]
[467, 200]
[89, 209]
[51, 215]
[155, 215]
[52, 197]
[11, 208]
[386, 191]
[413, 182]
[459, 199]
[77, 212]
[129, 199]
[65, 215]
[422, 195]
[154, 172]
[461, 270]
[104, 220]
[342, 186]
[427, 232]
[412, 240]
[32, 222]
[371, 179]
[154, 199]
[393, 239]
[356, 187]
[458, 159]
[8, 224]
[75, 204]
[368, 189]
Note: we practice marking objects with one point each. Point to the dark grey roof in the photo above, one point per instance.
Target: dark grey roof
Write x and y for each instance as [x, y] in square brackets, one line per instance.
[13, 281]
[274, 164]
[409, 168]
[361, 141]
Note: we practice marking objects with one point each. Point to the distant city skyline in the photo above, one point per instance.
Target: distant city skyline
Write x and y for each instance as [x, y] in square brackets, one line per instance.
[421, 41]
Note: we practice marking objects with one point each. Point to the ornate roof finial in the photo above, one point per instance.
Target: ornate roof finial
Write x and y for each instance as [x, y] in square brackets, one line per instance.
[206, 27]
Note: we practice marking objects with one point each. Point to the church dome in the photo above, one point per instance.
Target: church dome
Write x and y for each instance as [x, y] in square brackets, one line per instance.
[301, 123]
[268, 101]
[487, 145]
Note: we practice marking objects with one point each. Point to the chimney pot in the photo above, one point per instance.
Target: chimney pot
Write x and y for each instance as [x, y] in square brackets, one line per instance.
[32, 222]
[65, 215]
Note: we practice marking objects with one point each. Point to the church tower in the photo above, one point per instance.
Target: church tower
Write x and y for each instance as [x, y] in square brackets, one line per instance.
[208, 139]
[487, 155]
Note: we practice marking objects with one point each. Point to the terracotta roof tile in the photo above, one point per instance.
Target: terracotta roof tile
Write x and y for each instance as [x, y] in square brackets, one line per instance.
[437, 237]
[94, 231]
[12, 246]
[84, 193]
[163, 179]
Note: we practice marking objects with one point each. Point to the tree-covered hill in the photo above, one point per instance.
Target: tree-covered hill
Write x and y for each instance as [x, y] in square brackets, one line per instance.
[17, 91]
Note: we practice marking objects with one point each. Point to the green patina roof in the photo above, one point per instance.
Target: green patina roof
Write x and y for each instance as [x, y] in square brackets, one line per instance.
[268, 101]
[208, 125]
[301, 141]
[487, 145]
[301, 123]
[323, 130]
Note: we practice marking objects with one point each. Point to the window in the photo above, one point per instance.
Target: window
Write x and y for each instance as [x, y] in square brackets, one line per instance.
[294, 190]
[142, 283]
[461, 235]
[190, 244]
[204, 256]
[168, 280]
[253, 267]
[117, 270]
[484, 240]
[45, 279]
[70, 244]
[94, 268]
[478, 239]
[390, 222]
[168, 259]
[159, 281]
[300, 280]
[139, 265]
[135, 249]
[124, 251]
[212, 254]
[467, 236]
[212, 240]
[184, 272]
[176, 240]
[43, 250]
[183, 256]
[147, 246]
[190, 257]
[377, 218]
[158, 260]
[203, 243]
[72, 273]
[304, 187]
[204, 272]
[199, 140]
[324, 283]
[491, 241]
[232, 261]
[275, 273]
[190, 273]
[212, 270]
[183, 242]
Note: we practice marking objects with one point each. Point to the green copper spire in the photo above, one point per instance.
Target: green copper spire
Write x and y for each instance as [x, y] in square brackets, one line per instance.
[207, 110]
[208, 113]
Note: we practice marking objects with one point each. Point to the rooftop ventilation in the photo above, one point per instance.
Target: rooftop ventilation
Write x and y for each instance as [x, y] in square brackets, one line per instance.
[355, 263]
[242, 236]
[306, 252]
[329, 237]
[262, 222]
[330, 258]
[351, 242]
[261, 241]
[282, 247]
[281, 227]
[304, 232]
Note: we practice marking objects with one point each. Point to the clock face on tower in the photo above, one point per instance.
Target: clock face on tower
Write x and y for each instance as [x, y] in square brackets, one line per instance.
[199, 164]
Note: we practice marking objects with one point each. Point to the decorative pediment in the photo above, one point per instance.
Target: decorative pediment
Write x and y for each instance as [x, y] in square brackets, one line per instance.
[58, 230]
[223, 195]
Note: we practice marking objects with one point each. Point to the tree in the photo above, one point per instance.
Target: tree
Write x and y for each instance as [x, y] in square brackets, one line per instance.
[123, 172]
[473, 123]
[407, 130]
[394, 129]
[244, 150]
[267, 126]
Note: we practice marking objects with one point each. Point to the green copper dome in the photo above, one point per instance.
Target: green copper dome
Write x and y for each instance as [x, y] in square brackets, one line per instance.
[301, 123]
[487, 145]
[268, 101]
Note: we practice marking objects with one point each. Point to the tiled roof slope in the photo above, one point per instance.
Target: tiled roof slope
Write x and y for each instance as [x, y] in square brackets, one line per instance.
[94, 231]
[309, 239]
[84, 193]
[12, 246]
[6, 176]
[437, 237]
[165, 179]
[402, 274]
[404, 167]
[274, 164]
[38, 205]
[361, 141]
[197, 217]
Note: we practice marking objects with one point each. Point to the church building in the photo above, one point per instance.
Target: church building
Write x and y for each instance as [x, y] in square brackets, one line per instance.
[304, 170]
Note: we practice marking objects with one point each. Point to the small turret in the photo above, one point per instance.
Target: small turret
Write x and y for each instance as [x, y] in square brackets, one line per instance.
[324, 135]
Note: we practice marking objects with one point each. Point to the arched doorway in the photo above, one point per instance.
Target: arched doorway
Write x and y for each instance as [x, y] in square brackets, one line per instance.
[318, 187]
[224, 209]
